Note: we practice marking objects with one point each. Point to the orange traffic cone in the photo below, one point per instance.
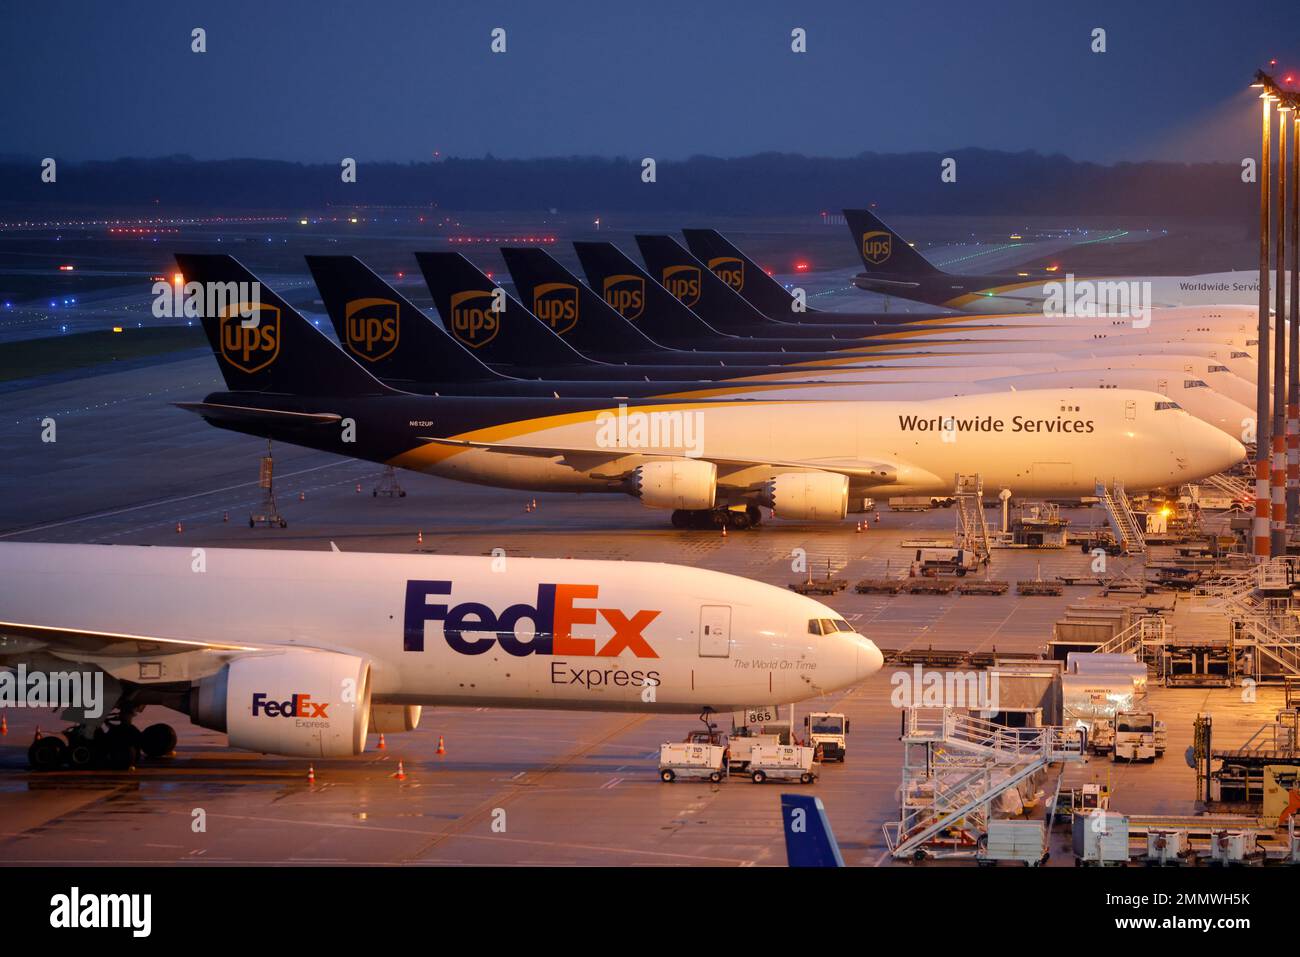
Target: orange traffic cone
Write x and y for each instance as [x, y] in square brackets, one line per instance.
[311, 774]
[401, 771]
[441, 748]
[381, 746]
[534, 505]
[877, 518]
[225, 516]
[859, 526]
[179, 528]
[4, 725]
[358, 488]
[38, 733]
[302, 496]
[419, 537]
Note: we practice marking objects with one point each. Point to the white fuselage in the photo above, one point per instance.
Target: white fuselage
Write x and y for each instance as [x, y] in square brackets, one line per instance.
[530, 633]
[1055, 443]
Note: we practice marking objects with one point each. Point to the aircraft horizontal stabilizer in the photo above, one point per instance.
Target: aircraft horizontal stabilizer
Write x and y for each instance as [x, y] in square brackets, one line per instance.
[244, 413]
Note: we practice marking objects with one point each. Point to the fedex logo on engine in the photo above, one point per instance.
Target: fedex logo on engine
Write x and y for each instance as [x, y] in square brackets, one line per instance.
[298, 706]
[472, 628]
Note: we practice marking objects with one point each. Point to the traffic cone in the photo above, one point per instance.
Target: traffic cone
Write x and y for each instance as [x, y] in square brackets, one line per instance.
[358, 488]
[877, 518]
[724, 531]
[38, 733]
[225, 516]
[528, 507]
[419, 537]
[534, 505]
[859, 526]
[179, 528]
[441, 748]
[311, 774]
[401, 771]
[4, 725]
[381, 746]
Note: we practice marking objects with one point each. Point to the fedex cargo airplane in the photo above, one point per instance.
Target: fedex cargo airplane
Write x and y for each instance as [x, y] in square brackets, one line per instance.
[893, 267]
[304, 653]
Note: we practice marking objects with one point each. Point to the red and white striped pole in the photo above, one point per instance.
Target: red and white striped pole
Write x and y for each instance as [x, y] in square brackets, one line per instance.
[1263, 498]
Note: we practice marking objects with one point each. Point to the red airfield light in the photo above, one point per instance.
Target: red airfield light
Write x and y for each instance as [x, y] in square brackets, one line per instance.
[178, 279]
[801, 266]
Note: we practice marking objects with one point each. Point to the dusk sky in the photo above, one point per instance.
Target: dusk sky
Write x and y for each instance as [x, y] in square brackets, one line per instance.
[400, 79]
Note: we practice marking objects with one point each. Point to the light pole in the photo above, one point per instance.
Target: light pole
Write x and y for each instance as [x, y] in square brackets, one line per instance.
[1278, 483]
[1263, 541]
[1293, 353]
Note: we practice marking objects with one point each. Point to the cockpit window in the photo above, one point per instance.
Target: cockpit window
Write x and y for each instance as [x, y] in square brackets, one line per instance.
[1195, 384]
[827, 626]
[1217, 369]
[1162, 406]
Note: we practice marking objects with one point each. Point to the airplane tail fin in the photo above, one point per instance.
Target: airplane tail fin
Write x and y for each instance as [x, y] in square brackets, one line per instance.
[742, 274]
[262, 344]
[808, 838]
[700, 288]
[883, 250]
[639, 298]
[380, 327]
[570, 307]
[483, 317]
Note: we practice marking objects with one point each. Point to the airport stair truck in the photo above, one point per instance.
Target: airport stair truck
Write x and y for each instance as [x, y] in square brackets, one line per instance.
[955, 767]
[1123, 522]
[826, 733]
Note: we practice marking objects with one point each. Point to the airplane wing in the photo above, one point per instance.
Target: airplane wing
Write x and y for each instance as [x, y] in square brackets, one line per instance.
[252, 414]
[17, 638]
[861, 472]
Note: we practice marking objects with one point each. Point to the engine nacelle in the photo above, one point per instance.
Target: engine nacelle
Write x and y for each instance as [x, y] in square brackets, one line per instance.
[311, 704]
[394, 718]
[808, 496]
[681, 483]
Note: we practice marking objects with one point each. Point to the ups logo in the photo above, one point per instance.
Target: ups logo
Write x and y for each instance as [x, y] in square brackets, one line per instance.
[250, 336]
[684, 283]
[730, 270]
[372, 328]
[625, 295]
[876, 246]
[556, 303]
[473, 321]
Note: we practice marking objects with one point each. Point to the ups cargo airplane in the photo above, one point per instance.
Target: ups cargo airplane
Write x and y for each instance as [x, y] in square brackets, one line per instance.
[304, 653]
[406, 350]
[893, 267]
[711, 462]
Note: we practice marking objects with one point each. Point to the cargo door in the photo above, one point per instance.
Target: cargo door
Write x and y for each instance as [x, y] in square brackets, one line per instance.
[715, 631]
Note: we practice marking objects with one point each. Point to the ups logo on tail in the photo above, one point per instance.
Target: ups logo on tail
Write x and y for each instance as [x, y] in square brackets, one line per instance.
[473, 321]
[372, 327]
[730, 270]
[684, 283]
[250, 336]
[625, 295]
[556, 303]
[876, 246]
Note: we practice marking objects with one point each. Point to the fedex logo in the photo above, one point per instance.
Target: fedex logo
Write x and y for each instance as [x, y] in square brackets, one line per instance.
[472, 628]
[298, 706]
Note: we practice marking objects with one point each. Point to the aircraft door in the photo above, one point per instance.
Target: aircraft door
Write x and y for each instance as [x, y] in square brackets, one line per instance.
[715, 631]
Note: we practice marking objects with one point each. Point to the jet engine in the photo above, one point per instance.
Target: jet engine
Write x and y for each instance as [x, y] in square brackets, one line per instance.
[681, 483]
[808, 496]
[311, 704]
[394, 718]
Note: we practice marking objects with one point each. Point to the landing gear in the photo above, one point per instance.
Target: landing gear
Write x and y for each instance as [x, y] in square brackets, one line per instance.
[158, 740]
[714, 519]
[116, 745]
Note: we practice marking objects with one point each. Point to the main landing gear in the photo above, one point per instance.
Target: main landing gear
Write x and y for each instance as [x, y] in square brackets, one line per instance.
[713, 519]
[116, 745]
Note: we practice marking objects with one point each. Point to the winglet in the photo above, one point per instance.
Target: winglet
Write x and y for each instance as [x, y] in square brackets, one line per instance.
[808, 838]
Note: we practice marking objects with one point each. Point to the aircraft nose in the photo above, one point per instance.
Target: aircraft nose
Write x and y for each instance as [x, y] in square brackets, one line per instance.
[1211, 449]
[870, 660]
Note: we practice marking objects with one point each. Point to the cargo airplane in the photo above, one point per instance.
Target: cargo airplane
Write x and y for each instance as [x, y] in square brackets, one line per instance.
[712, 462]
[305, 653]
